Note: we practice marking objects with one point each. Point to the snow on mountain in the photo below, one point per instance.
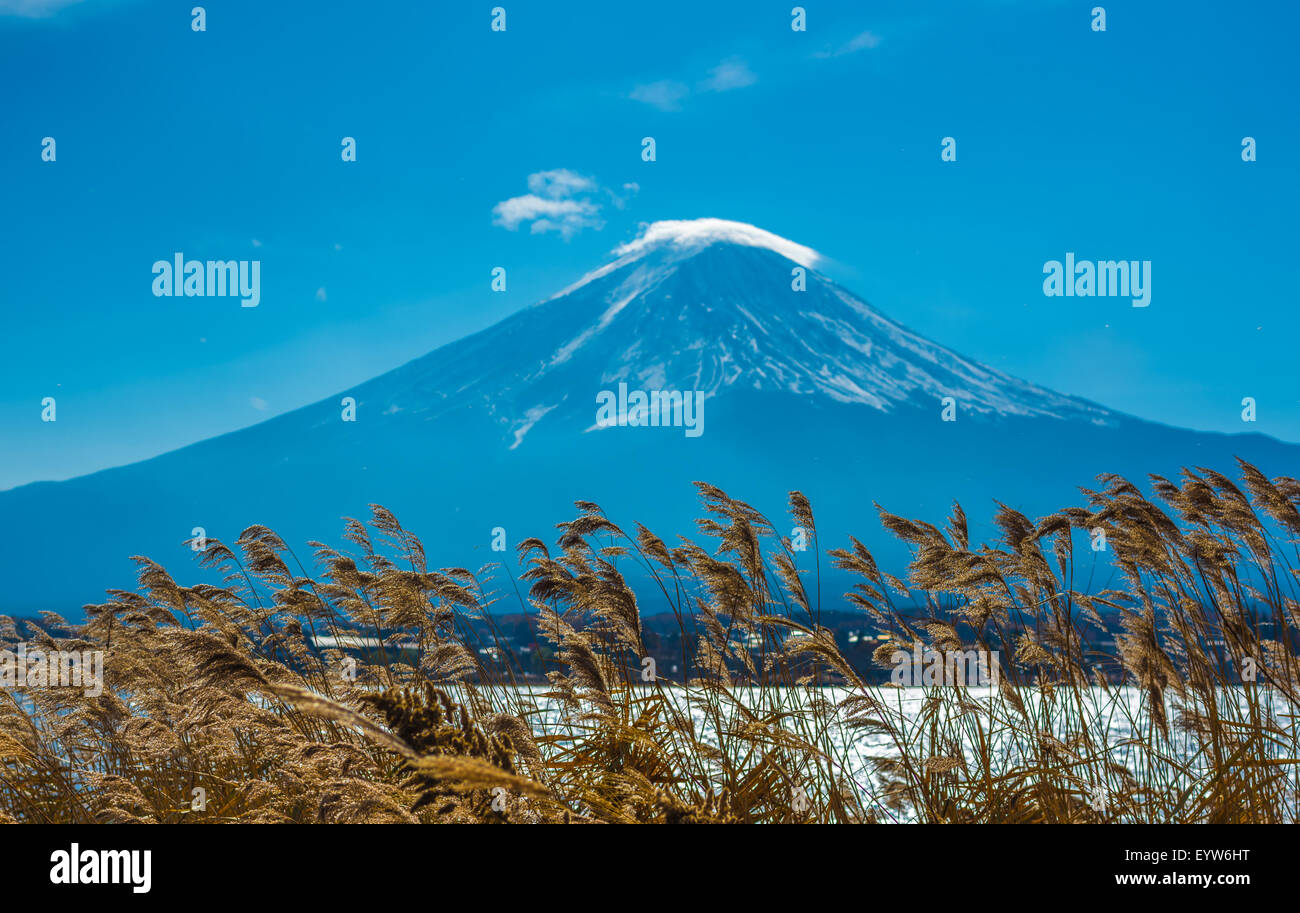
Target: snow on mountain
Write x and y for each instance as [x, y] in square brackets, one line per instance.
[812, 389]
[692, 234]
[708, 305]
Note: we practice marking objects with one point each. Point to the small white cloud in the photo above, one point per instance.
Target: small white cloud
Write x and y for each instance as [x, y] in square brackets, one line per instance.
[258, 403]
[619, 200]
[559, 183]
[257, 243]
[863, 41]
[666, 94]
[565, 216]
[732, 73]
[320, 293]
[338, 246]
[560, 200]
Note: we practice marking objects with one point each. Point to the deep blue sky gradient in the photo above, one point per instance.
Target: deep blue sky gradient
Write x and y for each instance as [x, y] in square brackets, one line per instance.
[1117, 145]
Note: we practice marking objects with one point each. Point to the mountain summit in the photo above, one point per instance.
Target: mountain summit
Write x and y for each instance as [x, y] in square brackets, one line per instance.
[807, 387]
[708, 305]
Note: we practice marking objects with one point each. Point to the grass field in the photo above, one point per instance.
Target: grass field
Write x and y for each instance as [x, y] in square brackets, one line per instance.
[218, 705]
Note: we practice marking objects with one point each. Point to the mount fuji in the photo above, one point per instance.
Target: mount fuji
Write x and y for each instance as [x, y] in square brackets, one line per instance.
[808, 388]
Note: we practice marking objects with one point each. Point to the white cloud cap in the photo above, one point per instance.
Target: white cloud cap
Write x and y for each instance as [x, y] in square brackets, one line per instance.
[699, 232]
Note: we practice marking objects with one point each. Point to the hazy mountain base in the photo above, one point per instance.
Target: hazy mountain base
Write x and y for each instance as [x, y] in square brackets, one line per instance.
[217, 706]
[910, 462]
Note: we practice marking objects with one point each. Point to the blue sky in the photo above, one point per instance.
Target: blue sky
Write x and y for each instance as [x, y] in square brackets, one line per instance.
[225, 144]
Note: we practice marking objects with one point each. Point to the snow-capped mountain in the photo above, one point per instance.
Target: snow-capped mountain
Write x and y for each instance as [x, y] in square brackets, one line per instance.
[706, 305]
[805, 386]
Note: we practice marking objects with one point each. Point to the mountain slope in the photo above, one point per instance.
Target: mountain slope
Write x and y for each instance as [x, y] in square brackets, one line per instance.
[809, 389]
[712, 311]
